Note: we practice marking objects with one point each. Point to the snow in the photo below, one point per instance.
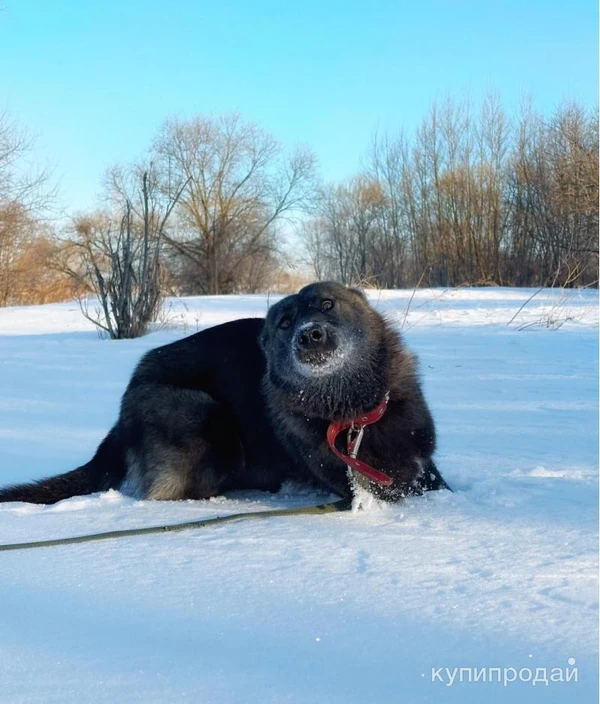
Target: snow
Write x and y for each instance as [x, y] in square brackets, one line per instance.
[349, 607]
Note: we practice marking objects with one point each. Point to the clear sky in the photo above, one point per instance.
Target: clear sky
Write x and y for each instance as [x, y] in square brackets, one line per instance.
[94, 80]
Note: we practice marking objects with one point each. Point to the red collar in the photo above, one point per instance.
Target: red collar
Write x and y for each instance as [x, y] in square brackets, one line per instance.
[358, 425]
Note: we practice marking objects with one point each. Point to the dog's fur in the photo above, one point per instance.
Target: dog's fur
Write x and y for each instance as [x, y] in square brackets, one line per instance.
[246, 405]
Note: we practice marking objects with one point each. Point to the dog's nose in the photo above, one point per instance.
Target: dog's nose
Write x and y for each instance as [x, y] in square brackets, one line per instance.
[311, 336]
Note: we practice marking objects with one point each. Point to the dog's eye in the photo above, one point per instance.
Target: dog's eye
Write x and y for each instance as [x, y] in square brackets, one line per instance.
[285, 322]
[326, 304]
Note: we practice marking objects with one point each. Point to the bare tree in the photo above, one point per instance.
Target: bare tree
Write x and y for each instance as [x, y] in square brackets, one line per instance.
[388, 164]
[553, 193]
[239, 186]
[117, 253]
[344, 240]
[24, 199]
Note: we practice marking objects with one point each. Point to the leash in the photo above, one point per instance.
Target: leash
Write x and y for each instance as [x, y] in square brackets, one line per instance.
[334, 507]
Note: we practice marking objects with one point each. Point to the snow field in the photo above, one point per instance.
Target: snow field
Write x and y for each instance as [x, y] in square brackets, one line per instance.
[353, 607]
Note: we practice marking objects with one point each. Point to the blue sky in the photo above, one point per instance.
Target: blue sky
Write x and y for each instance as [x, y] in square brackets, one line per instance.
[95, 80]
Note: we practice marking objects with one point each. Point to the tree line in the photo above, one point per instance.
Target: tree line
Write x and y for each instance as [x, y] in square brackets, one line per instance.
[471, 197]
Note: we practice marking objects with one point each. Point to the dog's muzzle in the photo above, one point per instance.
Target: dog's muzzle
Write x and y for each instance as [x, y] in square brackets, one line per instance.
[314, 344]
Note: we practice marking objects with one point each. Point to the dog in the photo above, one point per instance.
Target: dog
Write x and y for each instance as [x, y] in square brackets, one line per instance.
[255, 402]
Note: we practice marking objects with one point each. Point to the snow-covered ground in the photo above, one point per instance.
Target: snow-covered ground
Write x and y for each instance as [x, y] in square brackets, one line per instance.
[362, 607]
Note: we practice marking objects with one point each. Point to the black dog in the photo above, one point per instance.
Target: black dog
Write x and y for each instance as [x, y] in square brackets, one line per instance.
[248, 404]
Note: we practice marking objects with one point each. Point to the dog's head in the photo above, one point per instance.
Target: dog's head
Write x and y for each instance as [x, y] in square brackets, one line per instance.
[327, 351]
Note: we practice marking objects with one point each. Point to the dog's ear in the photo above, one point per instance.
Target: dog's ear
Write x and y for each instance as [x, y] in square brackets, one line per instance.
[358, 292]
[264, 337]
